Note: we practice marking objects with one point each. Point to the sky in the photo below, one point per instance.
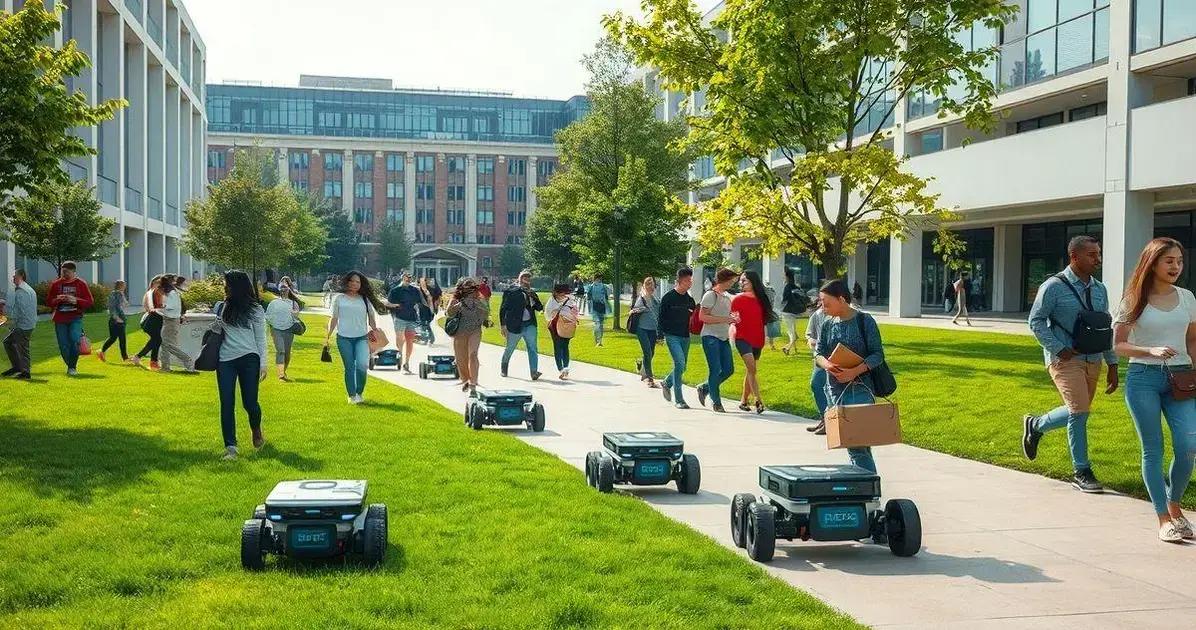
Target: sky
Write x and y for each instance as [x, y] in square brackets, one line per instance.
[525, 47]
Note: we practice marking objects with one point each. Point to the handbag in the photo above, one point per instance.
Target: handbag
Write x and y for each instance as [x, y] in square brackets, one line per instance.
[883, 381]
[1183, 384]
[84, 345]
[633, 320]
[213, 339]
[298, 328]
[377, 340]
[452, 324]
[325, 355]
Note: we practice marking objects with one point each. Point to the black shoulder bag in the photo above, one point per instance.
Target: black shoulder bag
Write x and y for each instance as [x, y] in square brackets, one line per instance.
[883, 381]
[1093, 329]
[213, 339]
[633, 320]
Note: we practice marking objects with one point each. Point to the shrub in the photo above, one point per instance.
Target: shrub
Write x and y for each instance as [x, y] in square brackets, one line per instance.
[99, 293]
[204, 293]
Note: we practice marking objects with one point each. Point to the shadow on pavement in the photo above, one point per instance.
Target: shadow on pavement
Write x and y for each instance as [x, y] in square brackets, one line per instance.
[668, 495]
[875, 560]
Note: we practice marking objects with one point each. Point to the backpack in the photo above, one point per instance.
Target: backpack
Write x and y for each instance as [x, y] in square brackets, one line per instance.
[1092, 332]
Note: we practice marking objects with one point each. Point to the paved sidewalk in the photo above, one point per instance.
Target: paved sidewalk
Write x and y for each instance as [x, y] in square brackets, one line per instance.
[1008, 323]
[1001, 549]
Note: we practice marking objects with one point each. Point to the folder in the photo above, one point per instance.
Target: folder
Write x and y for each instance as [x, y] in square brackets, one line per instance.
[844, 357]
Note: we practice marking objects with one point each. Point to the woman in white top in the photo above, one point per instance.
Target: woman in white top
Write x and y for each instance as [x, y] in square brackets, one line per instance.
[353, 311]
[281, 314]
[172, 316]
[561, 307]
[715, 313]
[242, 358]
[1156, 330]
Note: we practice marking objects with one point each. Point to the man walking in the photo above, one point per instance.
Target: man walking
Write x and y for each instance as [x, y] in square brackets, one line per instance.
[1074, 367]
[23, 315]
[404, 301]
[517, 318]
[675, 309]
[599, 295]
[70, 298]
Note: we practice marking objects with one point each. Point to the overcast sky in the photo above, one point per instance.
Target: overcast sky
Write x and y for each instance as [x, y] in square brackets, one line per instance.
[528, 47]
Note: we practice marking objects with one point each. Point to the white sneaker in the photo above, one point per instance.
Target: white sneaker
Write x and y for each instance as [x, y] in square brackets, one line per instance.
[360, 399]
[1184, 527]
[1168, 532]
[352, 400]
[230, 453]
[72, 372]
[565, 374]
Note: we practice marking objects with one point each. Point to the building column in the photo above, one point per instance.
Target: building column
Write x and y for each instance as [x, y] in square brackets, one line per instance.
[1007, 268]
[532, 179]
[471, 199]
[409, 195]
[774, 271]
[284, 172]
[696, 290]
[905, 277]
[857, 269]
[135, 271]
[347, 184]
[8, 263]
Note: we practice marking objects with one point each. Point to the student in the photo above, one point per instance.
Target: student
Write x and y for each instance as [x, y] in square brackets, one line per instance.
[716, 319]
[676, 307]
[818, 375]
[648, 306]
[118, 301]
[1052, 319]
[772, 330]
[475, 313]
[599, 295]
[69, 297]
[281, 315]
[579, 292]
[849, 386]
[1156, 330]
[353, 319]
[151, 322]
[793, 305]
[328, 292]
[427, 310]
[752, 309]
[961, 299]
[23, 315]
[405, 300]
[561, 306]
[948, 297]
[517, 318]
[242, 359]
[172, 315]
[484, 290]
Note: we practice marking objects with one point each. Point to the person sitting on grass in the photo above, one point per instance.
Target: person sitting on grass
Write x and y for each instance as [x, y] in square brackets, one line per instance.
[242, 359]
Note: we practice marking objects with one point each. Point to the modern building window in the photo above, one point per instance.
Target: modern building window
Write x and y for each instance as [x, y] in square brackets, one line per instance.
[395, 162]
[485, 193]
[363, 162]
[456, 193]
[456, 237]
[1162, 22]
[516, 193]
[363, 190]
[487, 263]
[456, 164]
[1040, 122]
[486, 217]
[424, 215]
[544, 171]
[363, 215]
[425, 192]
[332, 189]
[516, 167]
[216, 159]
[516, 217]
[932, 141]
[703, 168]
[1192, 86]
[1087, 111]
[455, 216]
[425, 163]
[334, 161]
[395, 215]
[299, 159]
[394, 190]
[485, 165]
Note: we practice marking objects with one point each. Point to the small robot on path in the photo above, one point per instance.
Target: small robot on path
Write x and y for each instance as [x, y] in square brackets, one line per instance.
[315, 519]
[388, 358]
[832, 502]
[504, 407]
[439, 365]
[642, 459]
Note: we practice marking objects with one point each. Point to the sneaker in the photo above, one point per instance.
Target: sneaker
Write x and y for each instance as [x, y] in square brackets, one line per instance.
[667, 392]
[536, 376]
[718, 409]
[1030, 437]
[100, 356]
[10, 372]
[406, 369]
[639, 368]
[744, 407]
[821, 426]
[681, 405]
[154, 365]
[565, 374]
[72, 372]
[703, 392]
[258, 438]
[1085, 481]
[1168, 532]
[1184, 527]
[230, 453]
[136, 361]
[360, 399]
[23, 376]
[503, 371]
[352, 400]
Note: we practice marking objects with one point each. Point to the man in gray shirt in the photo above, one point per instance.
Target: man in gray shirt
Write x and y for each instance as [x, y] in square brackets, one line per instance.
[23, 311]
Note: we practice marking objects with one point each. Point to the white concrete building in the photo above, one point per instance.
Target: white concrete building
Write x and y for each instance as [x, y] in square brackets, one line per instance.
[1097, 136]
[151, 154]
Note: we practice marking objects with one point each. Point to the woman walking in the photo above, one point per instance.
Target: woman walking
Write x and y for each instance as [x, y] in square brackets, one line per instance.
[354, 311]
[281, 314]
[1156, 329]
[242, 358]
[151, 323]
[562, 313]
[793, 306]
[172, 315]
[427, 310]
[753, 311]
[474, 311]
[961, 299]
[647, 305]
[118, 301]
[858, 332]
[599, 296]
[715, 313]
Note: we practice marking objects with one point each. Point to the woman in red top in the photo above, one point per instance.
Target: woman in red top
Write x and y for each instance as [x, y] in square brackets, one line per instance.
[755, 311]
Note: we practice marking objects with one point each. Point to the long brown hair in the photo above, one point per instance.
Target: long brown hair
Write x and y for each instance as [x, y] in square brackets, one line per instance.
[1137, 292]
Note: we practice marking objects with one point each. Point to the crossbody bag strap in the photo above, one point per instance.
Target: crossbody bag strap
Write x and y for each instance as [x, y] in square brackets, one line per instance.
[1062, 278]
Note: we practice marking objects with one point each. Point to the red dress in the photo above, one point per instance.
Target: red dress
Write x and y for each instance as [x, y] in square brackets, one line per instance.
[751, 319]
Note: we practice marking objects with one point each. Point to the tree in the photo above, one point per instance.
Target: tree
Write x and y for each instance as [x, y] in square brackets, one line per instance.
[811, 80]
[548, 246]
[396, 246]
[60, 223]
[511, 261]
[344, 243]
[310, 239]
[37, 113]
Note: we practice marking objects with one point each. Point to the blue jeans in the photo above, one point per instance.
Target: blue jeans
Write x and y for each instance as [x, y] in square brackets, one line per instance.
[1148, 394]
[598, 325]
[854, 395]
[648, 348]
[355, 352]
[679, 351]
[718, 360]
[68, 335]
[560, 351]
[528, 335]
[818, 387]
[244, 369]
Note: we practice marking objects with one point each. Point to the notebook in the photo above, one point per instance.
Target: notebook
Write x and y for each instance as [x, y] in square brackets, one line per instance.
[844, 357]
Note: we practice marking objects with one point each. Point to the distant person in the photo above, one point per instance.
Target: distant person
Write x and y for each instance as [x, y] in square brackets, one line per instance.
[427, 310]
[772, 329]
[1075, 371]
[151, 322]
[405, 300]
[172, 316]
[857, 292]
[475, 314]
[194, 275]
[118, 303]
[22, 315]
[676, 308]
[793, 305]
[484, 290]
[716, 319]
[1156, 330]
[599, 296]
[328, 292]
[752, 309]
[561, 307]
[961, 299]
[849, 386]
[648, 307]
[354, 310]
[818, 375]
[579, 292]
[948, 297]
[242, 359]
[517, 318]
[69, 297]
[281, 314]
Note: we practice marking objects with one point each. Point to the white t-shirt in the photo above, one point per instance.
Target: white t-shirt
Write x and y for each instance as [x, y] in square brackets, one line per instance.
[280, 313]
[720, 306]
[1165, 328]
[352, 318]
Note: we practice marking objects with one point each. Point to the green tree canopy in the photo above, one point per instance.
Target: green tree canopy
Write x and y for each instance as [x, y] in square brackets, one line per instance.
[37, 113]
[511, 261]
[311, 241]
[810, 79]
[60, 223]
[395, 246]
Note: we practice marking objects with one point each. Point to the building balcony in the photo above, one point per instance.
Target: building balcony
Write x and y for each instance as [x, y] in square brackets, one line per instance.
[155, 30]
[1162, 153]
[132, 200]
[77, 172]
[172, 213]
[155, 208]
[135, 7]
[107, 190]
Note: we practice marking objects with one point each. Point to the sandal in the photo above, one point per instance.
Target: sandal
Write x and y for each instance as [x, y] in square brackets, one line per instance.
[744, 407]
[759, 406]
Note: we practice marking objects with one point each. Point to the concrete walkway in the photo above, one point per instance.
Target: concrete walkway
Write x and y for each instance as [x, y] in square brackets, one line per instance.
[1008, 323]
[1001, 549]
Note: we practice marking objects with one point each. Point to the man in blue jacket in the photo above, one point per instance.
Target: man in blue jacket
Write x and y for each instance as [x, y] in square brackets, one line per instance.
[517, 318]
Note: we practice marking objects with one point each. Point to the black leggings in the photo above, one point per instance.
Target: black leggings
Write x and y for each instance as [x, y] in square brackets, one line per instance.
[116, 333]
[153, 328]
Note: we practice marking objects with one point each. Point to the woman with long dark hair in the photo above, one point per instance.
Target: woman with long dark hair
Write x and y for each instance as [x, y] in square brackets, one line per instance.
[151, 323]
[474, 311]
[281, 314]
[754, 310]
[1156, 329]
[561, 308]
[354, 310]
[118, 301]
[242, 358]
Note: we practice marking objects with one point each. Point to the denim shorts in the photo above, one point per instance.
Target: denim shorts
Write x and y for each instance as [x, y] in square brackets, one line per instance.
[406, 328]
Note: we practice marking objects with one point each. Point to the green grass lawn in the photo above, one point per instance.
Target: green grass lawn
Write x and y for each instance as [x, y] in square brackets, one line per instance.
[960, 393]
[115, 510]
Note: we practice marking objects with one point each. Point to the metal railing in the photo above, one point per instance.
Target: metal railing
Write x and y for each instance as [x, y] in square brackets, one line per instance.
[155, 208]
[134, 7]
[172, 51]
[132, 200]
[172, 213]
[155, 30]
[107, 188]
[77, 172]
